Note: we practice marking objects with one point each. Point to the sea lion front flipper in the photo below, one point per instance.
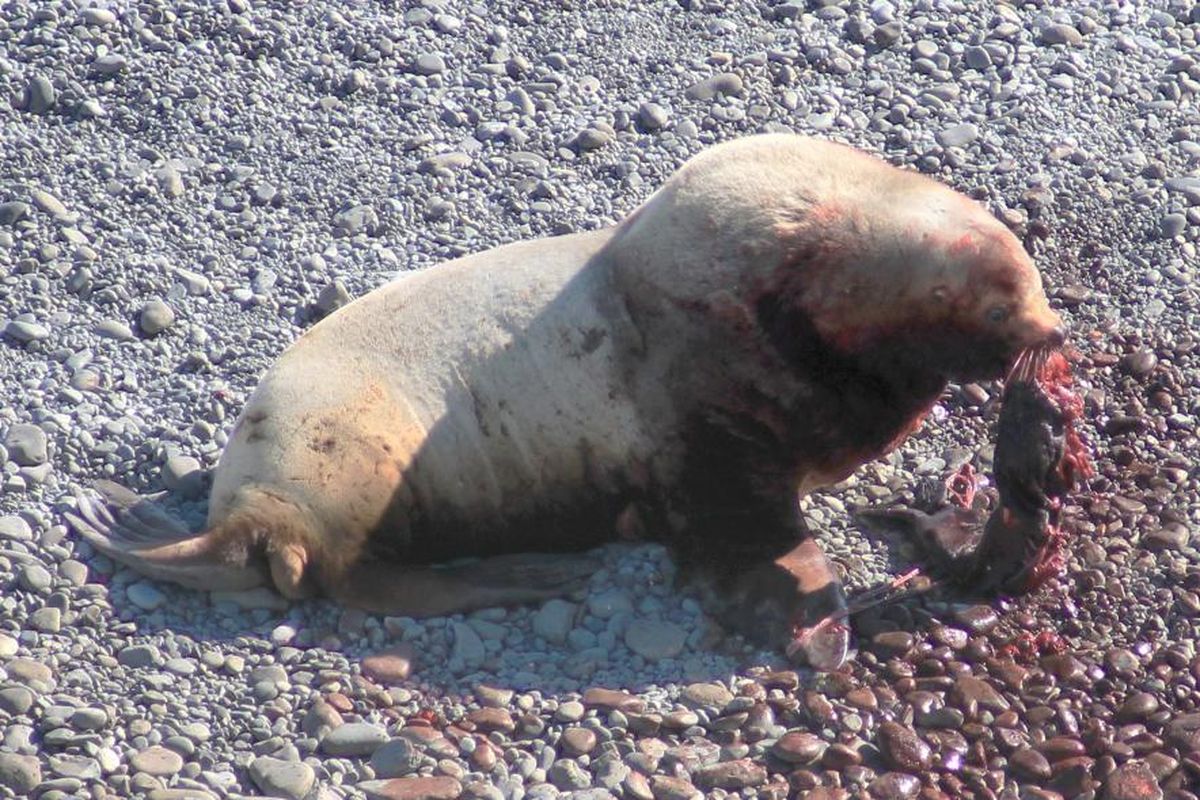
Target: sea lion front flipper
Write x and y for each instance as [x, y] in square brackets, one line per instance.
[507, 580]
[134, 531]
[946, 539]
[796, 598]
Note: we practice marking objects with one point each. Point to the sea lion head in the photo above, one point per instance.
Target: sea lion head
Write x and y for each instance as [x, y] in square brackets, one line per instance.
[974, 299]
[897, 269]
[877, 262]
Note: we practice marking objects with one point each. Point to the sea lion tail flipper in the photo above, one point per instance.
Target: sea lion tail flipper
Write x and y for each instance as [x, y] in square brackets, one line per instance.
[438, 591]
[135, 531]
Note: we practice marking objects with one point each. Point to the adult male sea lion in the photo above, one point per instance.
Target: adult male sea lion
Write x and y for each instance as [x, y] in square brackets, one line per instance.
[783, 310]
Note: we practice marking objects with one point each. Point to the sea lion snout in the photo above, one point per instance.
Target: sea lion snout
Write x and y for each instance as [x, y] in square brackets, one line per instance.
[1043, 328]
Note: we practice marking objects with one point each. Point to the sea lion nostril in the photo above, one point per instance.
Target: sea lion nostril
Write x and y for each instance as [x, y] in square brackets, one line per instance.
[1057, 336]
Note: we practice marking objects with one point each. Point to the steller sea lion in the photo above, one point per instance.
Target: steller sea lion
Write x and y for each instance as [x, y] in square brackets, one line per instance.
[781, 311]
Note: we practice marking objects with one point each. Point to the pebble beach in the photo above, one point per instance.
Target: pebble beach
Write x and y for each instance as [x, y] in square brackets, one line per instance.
[186, 187]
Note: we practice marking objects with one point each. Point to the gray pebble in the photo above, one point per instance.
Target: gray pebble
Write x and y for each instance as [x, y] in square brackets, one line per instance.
[722, 84]
[429, 64]
[13, 211]
[110, 64]
[396, 759]
[35, 578]
[332, 297]
[1060, 33]
[354, 739]
[145, 595]
[655, 640]
[19, 773]
[139, 655]
[155, 317]
[652, 117]
[554, 620]
[40, 95]
[1172, 225]
[278, 778]
[14, 527]
[958, 135]
[24, 331]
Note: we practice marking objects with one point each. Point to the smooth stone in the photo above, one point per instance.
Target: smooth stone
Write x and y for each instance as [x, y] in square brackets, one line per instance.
[652, 116]
[139, 655]
[1133, 780]
[799, 747]
[390, 666]
[721, 84]
[554, 620]
[396, 759]
[958, 135]
[157, 760]
[41, 94]
[16, 528]
[903, 749]
[731, 775]
[13, 211]
[468, 647]
[354, 739]
[155, 317]
[145, 596]
[655, 640]
[26, 444]
[24, 331]
[436, 787]
[280, 778]
[19, 773]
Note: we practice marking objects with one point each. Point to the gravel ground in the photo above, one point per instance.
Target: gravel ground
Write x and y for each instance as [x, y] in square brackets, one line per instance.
[185, 187]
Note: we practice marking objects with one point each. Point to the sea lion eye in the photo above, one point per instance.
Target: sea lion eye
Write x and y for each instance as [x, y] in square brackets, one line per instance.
[998, 314]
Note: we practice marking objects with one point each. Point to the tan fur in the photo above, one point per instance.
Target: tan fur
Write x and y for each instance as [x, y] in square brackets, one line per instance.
[538, 375]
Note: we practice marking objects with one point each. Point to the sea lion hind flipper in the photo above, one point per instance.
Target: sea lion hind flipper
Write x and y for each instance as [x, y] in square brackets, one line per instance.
[507, 580]
[144, 537]
[546, 571]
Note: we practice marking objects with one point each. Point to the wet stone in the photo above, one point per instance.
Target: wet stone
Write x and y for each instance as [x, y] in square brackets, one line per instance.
[612, 699]
[1132, 780]
[1137, 707]
[1059, 748]
[895, 786]
[1030, 764]
[903, 749]
[969, 690]
[493, 719]
[731, 775]
[978, 619]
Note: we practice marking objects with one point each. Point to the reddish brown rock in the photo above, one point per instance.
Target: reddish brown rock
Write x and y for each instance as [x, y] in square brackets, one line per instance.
[416, 788]
[492, 719]
[390, 666]
[578, 741]
[740, 774]
[798, 747]
[612, 699]
[1132, 780]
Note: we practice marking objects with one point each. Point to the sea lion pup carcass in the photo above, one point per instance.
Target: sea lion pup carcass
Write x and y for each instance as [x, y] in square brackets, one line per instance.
[783, 310]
